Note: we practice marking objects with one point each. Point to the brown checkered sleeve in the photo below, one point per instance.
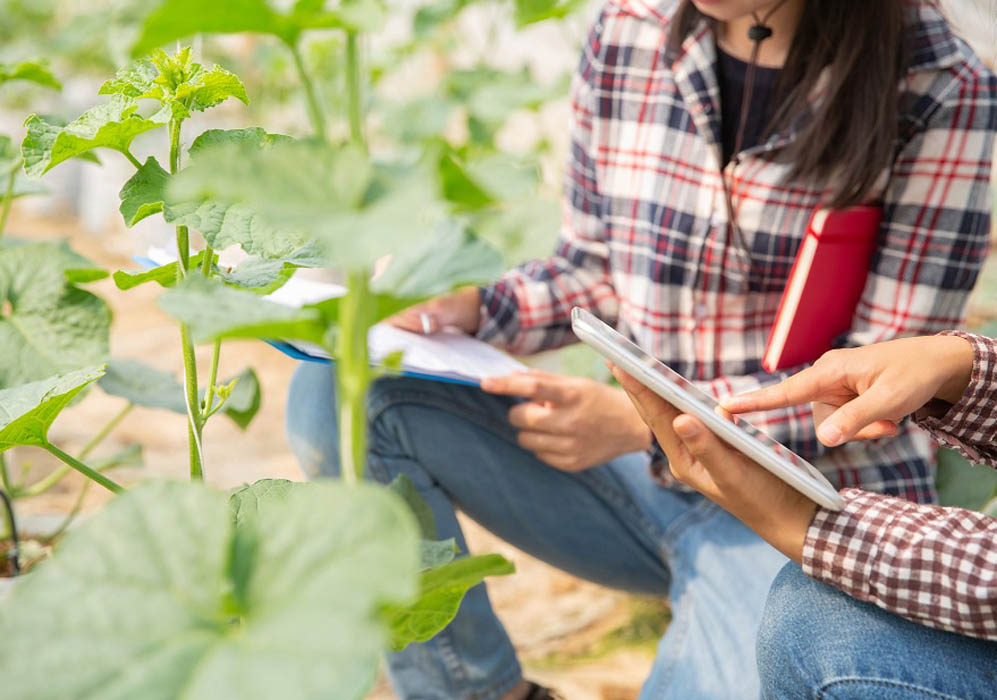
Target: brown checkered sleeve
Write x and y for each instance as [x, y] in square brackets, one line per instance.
[933, 565]
[970, 426]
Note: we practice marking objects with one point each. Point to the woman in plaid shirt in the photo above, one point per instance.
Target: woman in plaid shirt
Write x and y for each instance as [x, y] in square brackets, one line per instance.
[936, 567]
[845, 102]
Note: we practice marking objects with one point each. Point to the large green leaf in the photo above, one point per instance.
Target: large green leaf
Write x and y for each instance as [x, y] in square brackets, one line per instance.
[113, 125]
[31, 71]
[335, 196]
[161, 595]
[48, 325]
[178, 19]
[454, 257]
[226, 222]
[27, 411]
[147, 386]
[441, 591]
[247, 500]
[212, 310]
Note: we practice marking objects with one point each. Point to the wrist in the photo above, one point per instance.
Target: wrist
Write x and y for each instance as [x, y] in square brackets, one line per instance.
[957, 358]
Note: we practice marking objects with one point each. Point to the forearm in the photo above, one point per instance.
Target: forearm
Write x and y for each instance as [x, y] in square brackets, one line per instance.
[932, 565]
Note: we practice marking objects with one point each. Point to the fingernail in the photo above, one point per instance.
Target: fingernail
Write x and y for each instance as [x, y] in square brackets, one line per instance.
[829, 434]
[686, 429]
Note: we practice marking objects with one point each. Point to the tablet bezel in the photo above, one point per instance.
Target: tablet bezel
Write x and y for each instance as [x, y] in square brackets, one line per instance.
[681, 393]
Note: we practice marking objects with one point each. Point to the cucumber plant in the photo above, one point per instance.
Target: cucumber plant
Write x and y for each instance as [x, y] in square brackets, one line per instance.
[204, 594]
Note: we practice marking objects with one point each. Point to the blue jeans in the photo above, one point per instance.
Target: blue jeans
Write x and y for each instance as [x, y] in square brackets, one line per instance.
[817, 642]
[611, 524]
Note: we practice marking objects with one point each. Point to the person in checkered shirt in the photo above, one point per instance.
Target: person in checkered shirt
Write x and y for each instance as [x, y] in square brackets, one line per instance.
[932, 569]
[701, 144]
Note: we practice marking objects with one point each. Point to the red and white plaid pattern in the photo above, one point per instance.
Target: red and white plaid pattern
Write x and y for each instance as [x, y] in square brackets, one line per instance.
[935, 566]
[646, 246]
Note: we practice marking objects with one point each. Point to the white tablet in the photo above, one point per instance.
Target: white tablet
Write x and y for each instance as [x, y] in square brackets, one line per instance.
[685, 396]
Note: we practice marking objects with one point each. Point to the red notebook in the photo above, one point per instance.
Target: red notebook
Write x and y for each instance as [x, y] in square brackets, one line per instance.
[824, 286]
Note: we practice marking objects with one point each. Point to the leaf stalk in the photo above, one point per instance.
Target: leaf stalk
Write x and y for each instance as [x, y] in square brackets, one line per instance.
[315, 112]
[353, 374]
[83, 469]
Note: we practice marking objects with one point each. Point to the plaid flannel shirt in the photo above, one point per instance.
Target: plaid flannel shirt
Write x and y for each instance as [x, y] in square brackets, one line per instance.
[935, 566]
[645, 242]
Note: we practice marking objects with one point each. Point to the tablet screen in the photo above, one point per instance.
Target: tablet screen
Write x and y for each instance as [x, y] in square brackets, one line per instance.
[699, 395]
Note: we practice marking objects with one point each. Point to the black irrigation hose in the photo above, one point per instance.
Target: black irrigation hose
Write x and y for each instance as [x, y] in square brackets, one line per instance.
[14, 554]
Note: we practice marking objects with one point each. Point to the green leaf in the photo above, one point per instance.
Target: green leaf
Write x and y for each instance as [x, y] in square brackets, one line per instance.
[963, 484]
[243, 402]
[143, 385]
[27, 411]
[531, 11]
[454, 258]
[251, 137]
[31, 71]
[177, 81]
[142, 195]
[161, 595]
[403, 487]
[179, 19]
[213, 310]
[259, 275]
[440, 592]
[48, 325]
[458, 187]
[164, 275]
[436, 553]
[245, 501]
[112, 125]
[224, 222]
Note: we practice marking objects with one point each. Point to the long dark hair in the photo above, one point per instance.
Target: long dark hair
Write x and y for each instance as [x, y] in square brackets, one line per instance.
[852, 136]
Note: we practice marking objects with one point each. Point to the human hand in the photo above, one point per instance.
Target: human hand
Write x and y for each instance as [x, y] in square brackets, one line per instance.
[571, 423]
[777, 512]
[460, 309]
[863, 393]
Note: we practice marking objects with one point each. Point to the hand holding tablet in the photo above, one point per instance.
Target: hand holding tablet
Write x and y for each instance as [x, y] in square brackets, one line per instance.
[681, 394]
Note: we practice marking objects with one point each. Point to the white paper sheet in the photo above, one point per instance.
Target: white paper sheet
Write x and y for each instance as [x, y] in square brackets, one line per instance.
[447, 355]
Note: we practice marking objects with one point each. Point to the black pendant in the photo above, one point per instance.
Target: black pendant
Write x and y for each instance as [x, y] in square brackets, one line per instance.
[759, 32]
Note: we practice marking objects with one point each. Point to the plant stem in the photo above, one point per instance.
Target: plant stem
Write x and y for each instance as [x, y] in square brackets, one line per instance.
[83, 469]
[43, 485]
[8, 486]
[315, 112]
[353, 374]
[207, 261]
[8, 195]
[73, 512]
[353, 89]
[132, 159]
[209, 397]
[194, 422]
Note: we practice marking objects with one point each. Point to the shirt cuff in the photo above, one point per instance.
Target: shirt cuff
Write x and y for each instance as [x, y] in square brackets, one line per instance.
[499, 313]
[966, 423]
[841, 546]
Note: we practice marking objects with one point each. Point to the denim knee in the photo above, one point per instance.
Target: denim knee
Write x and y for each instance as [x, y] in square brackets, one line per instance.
[786, 636]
